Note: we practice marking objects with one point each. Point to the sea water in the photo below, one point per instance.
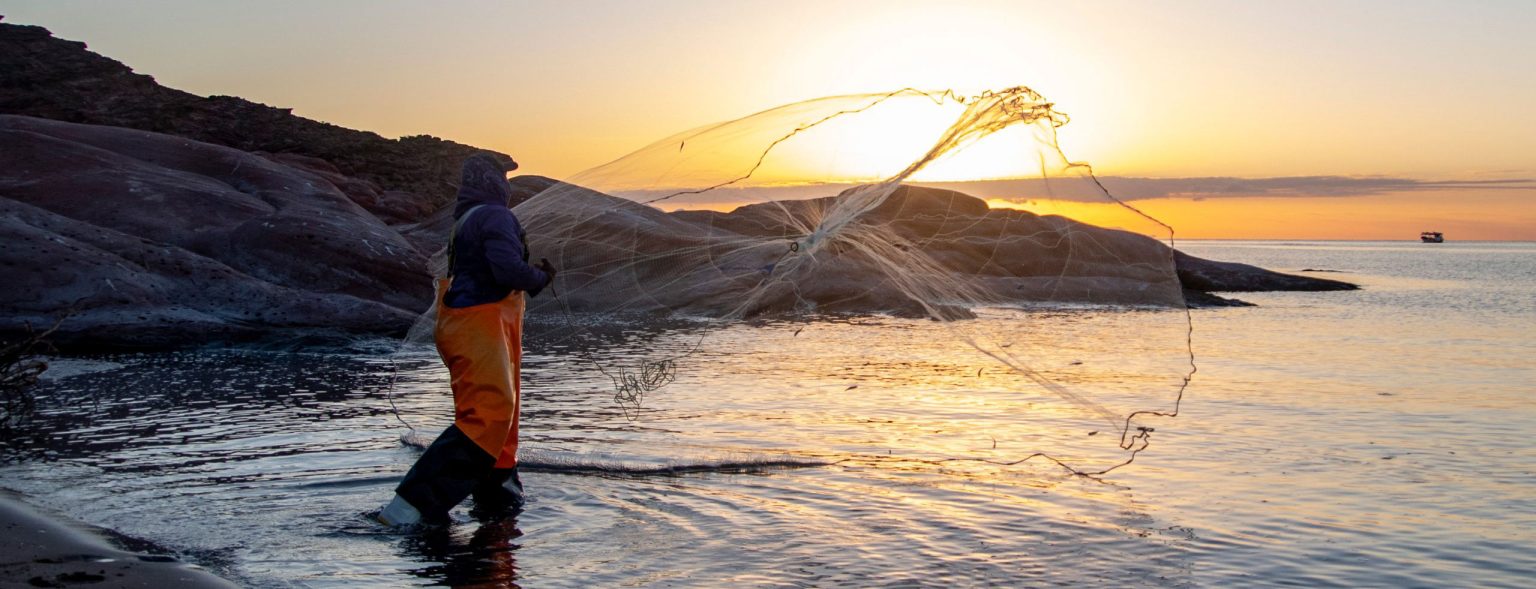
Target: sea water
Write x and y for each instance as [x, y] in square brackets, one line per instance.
[1379, 437]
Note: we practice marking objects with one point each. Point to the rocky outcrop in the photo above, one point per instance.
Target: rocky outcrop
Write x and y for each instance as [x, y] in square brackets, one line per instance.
[1210, 276]
[399, 180]
[151, 240]
[753, 260]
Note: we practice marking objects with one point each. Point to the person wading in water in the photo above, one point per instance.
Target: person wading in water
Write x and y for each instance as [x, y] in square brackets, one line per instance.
[479, 336]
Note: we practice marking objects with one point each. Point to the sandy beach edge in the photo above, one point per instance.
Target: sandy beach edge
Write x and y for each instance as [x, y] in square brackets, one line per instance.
[40, 550]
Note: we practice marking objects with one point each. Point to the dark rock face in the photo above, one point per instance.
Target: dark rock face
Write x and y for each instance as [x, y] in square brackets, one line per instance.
[230, 220]
[400, 180]
[1210, 276]
[157, 240]
[1197, 299]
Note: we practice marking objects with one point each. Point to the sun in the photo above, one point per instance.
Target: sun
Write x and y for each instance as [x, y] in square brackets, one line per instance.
[889, 137]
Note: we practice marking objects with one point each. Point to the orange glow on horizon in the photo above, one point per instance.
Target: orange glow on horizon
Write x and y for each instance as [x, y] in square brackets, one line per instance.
[1470, 216]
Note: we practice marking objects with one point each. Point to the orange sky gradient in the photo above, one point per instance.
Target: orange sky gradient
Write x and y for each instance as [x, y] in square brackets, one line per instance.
[1179, 89]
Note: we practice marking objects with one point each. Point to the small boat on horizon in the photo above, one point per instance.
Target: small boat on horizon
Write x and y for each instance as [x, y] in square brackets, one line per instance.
[1432, 237]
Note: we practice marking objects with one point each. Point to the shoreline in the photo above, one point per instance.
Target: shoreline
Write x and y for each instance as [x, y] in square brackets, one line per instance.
[43, 550]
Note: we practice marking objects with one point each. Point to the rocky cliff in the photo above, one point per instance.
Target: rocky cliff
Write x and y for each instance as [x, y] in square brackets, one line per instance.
[399, 180]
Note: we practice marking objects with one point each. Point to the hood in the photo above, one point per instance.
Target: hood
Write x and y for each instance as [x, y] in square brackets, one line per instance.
[483, 181]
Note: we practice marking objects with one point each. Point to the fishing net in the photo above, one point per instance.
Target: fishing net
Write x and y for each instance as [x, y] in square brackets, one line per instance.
[828, 209]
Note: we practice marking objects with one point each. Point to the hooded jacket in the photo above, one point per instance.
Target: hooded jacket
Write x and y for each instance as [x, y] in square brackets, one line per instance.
[490, 250]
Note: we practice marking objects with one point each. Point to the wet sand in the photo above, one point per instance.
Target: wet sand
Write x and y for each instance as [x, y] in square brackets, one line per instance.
[41, 551]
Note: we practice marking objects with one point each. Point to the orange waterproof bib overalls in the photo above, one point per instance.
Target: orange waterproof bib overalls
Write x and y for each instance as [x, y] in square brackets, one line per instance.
[482, 346]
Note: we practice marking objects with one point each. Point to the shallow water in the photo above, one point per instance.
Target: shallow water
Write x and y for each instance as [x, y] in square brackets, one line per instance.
[1369, 438]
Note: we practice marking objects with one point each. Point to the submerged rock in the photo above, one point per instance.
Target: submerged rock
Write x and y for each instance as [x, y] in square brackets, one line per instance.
[49, 551]
[1210, 276]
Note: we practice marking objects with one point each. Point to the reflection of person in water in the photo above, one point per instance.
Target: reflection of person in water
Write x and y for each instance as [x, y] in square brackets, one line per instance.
[479, 336]
[487, 559]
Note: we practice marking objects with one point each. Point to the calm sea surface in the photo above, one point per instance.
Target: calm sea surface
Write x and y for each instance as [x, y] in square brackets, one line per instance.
[1376, 438]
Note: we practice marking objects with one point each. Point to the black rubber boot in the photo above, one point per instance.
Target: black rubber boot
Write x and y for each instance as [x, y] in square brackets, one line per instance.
[451, 468]
[498, 493]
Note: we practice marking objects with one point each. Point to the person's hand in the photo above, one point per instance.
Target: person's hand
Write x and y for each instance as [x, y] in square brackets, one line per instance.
[547, 267]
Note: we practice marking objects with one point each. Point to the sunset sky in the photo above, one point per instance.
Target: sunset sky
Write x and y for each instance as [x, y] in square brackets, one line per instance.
[1413, 106]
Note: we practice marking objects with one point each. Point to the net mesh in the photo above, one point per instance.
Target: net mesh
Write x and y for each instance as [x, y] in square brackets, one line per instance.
[819, 209]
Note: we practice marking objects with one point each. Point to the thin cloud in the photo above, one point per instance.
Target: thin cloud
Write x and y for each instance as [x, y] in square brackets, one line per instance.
[1126, 188]
[1132, 188]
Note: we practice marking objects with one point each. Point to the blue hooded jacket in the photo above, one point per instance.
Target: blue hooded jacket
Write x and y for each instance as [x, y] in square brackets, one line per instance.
[490, 250]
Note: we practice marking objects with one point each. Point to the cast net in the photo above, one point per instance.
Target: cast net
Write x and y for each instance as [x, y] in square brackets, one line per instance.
[852, 211]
